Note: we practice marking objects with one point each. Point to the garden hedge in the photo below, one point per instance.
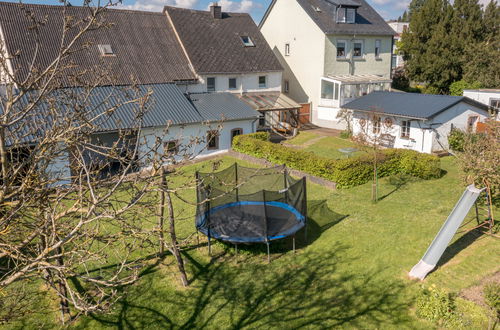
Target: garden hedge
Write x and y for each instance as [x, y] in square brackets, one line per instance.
[345, 172]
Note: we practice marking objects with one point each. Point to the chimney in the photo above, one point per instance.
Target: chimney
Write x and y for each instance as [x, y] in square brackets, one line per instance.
[216, 10]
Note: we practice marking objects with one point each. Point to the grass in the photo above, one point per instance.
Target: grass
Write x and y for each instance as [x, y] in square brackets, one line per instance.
[351, 273]
[327, 147]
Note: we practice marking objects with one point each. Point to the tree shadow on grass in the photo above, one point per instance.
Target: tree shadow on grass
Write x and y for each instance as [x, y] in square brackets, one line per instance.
[317, 290]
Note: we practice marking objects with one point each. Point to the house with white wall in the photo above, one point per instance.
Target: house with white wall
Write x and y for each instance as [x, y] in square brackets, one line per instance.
[489, 97]
[419, 122]
[332, 51]
[229, 54]
[146, 49]
[399, 28]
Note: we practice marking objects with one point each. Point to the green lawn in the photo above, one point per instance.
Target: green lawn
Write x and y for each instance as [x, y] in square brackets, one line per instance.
[351, 273]
[327, 147]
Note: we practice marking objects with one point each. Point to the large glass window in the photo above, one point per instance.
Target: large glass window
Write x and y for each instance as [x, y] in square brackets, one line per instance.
[405, 129]
[341, 15]
[262, 82]
[232, 83]
[326, 90]
[337, 87]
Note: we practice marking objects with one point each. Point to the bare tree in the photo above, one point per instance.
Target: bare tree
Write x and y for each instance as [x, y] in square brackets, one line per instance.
[374, 132]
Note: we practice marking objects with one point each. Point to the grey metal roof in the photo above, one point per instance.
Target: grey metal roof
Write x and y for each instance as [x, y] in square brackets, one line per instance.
[410, 105]
[215, 45]
[146, 48]
[368, 21]
[222, 106]
[111, 108]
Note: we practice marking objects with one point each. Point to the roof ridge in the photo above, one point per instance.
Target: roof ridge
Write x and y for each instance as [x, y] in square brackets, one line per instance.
[113, 8]
[205, 11]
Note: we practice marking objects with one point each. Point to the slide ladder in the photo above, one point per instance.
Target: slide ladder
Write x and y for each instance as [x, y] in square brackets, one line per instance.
[445, 235]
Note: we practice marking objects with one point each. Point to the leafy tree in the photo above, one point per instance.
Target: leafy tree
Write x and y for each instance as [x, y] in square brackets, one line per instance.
[414, 6]
[457, 88]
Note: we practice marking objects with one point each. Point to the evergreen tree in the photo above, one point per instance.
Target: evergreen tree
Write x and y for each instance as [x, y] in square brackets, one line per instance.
[404, 18]
[414, 6]
[483, 57]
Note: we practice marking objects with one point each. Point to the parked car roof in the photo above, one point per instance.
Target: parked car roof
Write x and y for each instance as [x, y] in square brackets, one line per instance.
[144, 47]
[215, 45]
[368, 21]
[410, 105]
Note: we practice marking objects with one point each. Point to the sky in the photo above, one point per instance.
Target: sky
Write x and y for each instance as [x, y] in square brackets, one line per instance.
[388, 9]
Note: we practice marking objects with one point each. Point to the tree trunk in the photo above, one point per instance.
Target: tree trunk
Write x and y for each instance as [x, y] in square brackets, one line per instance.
[63, 302]
[173, 236]
[161, 213]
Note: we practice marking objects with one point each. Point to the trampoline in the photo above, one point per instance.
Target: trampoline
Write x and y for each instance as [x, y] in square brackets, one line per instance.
[248, 205]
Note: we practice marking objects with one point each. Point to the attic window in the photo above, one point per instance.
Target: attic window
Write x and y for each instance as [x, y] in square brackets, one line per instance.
[106, 50]
[346, 15]
[247, 41]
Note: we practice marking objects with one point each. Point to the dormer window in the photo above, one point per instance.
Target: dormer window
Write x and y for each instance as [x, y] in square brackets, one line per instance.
[106, 50]
[346, 15]
[247, 41]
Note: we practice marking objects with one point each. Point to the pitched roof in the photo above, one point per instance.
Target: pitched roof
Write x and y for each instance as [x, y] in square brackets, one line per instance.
[145, 46]
[222, 106]
[368, 21]
[410, 105]
[215, 45]
[167, 105]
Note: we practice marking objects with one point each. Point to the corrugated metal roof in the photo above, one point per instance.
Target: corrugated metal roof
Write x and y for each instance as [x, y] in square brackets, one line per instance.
[410, 105]
[146, 49]
[111, 108]
[360, 78]
[222, 106]
[269, 101]
[215, 45]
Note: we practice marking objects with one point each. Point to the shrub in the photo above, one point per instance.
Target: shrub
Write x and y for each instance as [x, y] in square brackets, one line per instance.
[457, 88]
[345, 172]
[437, 306]
[345, 135]
[456, 140]
[491, 294]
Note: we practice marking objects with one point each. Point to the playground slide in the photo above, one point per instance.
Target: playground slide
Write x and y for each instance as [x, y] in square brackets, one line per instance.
[443, 238]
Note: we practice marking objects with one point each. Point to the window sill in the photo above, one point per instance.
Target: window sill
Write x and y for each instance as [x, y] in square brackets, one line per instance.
[342, 59]
[404, 137]
[359, 59]
[378, 59]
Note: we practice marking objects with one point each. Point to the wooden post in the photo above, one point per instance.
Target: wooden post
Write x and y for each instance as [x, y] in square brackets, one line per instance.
[161, 211]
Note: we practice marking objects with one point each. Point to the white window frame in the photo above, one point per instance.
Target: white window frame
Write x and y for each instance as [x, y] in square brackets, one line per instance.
[339, 10]
[405, 129]
[362, 49]
[215, 84]
[235, 83]
[378, 46]
[352, 19]
[264, 85]
[345, 48]
[249, 43]
[287, 49]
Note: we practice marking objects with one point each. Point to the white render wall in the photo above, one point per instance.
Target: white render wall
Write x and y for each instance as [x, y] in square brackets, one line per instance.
[244, 82]
[456, 116]
[483, 96]
[425, 136]
[185, 134]
[289, 23]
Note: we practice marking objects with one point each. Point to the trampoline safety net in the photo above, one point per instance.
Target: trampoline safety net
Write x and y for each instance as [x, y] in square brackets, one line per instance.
[249, 205]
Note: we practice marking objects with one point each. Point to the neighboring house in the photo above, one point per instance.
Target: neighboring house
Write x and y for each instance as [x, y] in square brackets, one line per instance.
[229, 54]
[490, 97]
[419, 122]
[399, 28]
[143, 49]
[333, 51]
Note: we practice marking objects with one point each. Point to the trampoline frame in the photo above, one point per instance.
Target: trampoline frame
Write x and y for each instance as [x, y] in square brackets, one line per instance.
[301, 217]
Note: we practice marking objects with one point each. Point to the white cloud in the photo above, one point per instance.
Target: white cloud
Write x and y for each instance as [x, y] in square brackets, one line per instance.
[242, 6]
[157, 5]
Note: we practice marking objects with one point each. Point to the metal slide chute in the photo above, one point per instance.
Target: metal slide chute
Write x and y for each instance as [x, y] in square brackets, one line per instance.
[445, 235]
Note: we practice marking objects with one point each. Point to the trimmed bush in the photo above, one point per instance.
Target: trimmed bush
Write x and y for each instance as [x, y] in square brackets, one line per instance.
[345, 172]
[456, 140]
